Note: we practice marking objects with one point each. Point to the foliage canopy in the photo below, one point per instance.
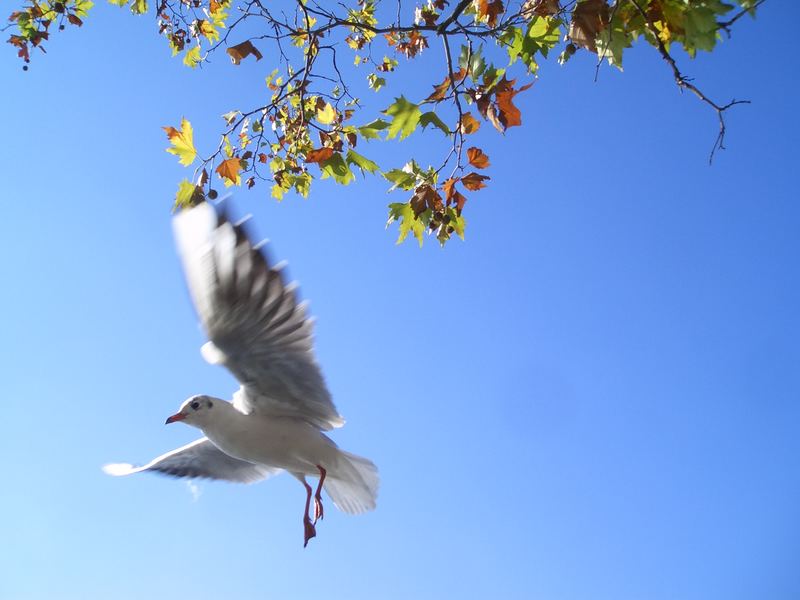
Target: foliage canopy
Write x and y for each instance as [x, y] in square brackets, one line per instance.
[311, 121]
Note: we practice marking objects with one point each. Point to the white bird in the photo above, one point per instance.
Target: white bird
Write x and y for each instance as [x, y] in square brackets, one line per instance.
[262, 335]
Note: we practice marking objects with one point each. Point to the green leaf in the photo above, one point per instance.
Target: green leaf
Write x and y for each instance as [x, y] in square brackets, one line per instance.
[371, 131]
[302, 184]
[405, 119]
[362, 162]
[431, 118]
[186, 194]
[338, 169]
[404, 215]
[401, 179]
[473, 62]
[375, 82]
[192, 57]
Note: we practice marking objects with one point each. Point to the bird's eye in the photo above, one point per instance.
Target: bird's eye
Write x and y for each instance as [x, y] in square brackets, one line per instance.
[210, 404]
[195, 405]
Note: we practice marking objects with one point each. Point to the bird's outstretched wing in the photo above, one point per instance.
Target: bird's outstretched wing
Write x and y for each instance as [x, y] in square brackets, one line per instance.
[257, 328]
[201, 459]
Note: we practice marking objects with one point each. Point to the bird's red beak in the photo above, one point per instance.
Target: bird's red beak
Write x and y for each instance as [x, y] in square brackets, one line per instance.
[179, 416]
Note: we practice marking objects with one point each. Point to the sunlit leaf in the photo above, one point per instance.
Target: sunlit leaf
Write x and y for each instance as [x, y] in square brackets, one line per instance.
[182, 141]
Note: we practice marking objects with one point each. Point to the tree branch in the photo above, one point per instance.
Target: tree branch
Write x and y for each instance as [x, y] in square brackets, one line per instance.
[685, 83]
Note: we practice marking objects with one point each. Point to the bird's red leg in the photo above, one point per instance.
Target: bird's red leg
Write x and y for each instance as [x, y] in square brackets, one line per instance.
[309, 531]
[319, 513]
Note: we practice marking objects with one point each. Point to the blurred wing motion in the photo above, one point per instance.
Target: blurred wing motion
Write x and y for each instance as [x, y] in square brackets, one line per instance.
[256, 326]
[200, 459]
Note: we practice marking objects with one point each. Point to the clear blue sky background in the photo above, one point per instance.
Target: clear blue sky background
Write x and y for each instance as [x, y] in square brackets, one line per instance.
[596, 397]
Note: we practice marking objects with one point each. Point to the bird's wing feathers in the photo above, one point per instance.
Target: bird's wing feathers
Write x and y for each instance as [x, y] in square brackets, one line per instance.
[200, 459]
[257, 328]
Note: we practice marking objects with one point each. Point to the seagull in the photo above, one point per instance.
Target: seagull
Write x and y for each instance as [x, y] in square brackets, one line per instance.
[258, 331]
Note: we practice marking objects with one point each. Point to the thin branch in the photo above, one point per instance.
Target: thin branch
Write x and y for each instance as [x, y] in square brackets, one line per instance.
[685, 83]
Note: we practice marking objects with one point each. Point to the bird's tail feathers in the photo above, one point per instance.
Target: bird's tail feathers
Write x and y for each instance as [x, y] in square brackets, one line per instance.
[355, 489]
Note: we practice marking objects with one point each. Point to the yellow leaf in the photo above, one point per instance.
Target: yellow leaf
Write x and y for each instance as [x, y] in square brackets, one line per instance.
[208, 30]
[192, 57]
[182, 143]
[326, 115]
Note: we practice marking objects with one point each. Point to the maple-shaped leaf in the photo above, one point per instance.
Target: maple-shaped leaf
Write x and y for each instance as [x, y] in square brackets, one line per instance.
[406, 116]
[589, 18]
[327, 114]
[477, 158]
[509, 115]
[188, 195]
[316, 156]
[362, 162]
[242, 51]
[448, 187]
[440, 91]
[469, 124]
[182, 142]
[489, 10]
[474, 181]
[229, 169]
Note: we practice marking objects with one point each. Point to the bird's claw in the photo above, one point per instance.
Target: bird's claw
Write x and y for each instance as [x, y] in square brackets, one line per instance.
[310, 531]
[319, 512]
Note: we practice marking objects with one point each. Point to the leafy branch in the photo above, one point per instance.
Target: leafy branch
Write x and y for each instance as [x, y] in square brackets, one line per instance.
[312, 122]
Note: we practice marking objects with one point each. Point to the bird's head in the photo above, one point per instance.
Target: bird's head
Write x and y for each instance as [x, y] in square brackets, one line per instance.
[195, 411]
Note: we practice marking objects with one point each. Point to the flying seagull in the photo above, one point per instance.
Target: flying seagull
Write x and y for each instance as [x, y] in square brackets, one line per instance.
[259, 331]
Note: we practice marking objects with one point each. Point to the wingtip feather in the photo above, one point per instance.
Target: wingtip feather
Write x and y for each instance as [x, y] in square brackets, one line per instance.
[119, 469]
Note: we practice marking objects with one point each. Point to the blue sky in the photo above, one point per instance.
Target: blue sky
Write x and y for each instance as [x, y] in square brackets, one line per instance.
[596, 396]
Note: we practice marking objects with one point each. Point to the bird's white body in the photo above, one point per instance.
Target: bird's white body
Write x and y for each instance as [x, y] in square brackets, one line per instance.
[259, 331]
[281, 442]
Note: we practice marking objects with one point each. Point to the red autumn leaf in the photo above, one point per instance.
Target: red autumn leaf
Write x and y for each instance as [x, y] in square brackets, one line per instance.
[474, 181]
[243, 50]
[469, 124]
[477, 158]
[229, 169]
[490, 10]
[74, 19]
[509, 116]
[320, 155]
[262, 158]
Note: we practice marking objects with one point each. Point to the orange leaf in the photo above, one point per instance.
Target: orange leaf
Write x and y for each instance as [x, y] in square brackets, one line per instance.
[229, 169]
[448, 187]
[440, 91]
[262, 158]
[469, 124]
[477, 158]
[489, 10]
[474, 181]
[460, 200]
[509, 116]
[317, 156]
[243, 50]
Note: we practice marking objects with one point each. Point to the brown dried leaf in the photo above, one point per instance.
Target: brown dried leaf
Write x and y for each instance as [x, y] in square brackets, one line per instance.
[448, 187]
[469, 124]
[490, 10]
[242, 51]
[319, 155]
[589, 18]
[477, 158]
[474, 181]
[509, 116]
